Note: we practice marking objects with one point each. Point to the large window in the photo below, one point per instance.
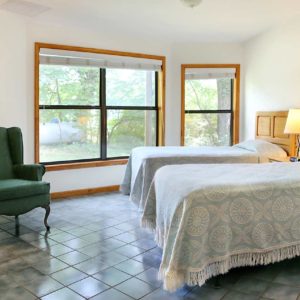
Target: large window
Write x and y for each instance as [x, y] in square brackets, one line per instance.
[210, 105]
[95, 107]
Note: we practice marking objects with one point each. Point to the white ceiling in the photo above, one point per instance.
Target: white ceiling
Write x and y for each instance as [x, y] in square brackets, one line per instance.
[211, 21]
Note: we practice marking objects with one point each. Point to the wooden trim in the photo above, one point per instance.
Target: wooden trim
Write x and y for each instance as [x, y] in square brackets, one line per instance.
[161, 101]
[98, 51]
[182, 122]
[82, 192]
[266, 131]
[82, 165]
[212, 66]
[236, 106]
[236, 97]
[36, 103]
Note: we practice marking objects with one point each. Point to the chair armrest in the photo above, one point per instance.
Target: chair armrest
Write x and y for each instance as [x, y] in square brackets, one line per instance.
[33, 172]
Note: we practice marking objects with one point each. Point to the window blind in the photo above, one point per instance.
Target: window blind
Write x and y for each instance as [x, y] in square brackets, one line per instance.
[86, 59]
[209, 73]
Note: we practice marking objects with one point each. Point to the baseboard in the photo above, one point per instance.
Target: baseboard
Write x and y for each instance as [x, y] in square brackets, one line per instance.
[82, 192]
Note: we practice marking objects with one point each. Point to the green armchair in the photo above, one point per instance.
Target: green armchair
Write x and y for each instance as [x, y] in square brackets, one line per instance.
[21, 188]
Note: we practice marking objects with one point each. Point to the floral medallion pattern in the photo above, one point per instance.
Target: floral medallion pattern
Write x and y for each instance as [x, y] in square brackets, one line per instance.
[282, 208]
[241, 211]
[198, 221]
[219, 238]
[263, 234]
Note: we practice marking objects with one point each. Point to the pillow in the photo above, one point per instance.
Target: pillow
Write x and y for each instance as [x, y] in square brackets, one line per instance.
[263, 148]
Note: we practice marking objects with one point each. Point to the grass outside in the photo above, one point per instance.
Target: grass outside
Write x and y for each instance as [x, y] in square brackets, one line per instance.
[77, 151]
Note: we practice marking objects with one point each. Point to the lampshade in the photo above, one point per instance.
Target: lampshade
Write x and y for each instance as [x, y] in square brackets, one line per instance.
[293, 122]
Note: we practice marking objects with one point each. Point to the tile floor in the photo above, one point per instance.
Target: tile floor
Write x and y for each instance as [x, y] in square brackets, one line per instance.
[97, 250]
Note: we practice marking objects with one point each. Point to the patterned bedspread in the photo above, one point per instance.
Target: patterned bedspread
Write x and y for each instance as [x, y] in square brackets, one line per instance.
[145, 161]
[211, 218]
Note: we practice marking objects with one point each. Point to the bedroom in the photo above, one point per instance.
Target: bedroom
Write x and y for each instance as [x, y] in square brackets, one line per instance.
[260, 36]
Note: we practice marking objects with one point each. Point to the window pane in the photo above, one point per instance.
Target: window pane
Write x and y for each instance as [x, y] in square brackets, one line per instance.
[207, 129]
[208, 94]
[69, 85]
[130, 87]
[69, 134]
[127, 129]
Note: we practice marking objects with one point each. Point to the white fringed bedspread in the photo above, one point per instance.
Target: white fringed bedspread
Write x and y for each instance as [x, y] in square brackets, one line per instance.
[211, 218]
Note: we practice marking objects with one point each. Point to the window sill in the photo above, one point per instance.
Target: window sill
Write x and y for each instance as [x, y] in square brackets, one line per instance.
[80, 165]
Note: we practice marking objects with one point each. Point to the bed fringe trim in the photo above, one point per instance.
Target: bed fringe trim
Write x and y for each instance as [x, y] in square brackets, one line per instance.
[175, 279]
[150, 224]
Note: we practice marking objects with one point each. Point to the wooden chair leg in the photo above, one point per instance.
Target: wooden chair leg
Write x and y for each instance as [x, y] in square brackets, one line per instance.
[47, 208]
[17, 220]
[17, 226]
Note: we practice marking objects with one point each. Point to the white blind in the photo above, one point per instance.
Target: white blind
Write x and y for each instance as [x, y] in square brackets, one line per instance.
[209, 73]
[86, 59]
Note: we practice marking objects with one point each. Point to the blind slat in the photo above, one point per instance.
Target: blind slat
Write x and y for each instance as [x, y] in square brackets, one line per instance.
[209, 73]
[85, 59]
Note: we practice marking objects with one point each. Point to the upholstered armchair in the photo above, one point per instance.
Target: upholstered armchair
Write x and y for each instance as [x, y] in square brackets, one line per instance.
[21, 186]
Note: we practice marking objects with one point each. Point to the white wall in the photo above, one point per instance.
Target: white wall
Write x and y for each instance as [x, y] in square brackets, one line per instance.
[17, 37]
[272, 73]
[13, 83]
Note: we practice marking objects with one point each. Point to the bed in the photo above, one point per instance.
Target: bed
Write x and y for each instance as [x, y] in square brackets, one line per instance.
[211, 218]
[145, 161]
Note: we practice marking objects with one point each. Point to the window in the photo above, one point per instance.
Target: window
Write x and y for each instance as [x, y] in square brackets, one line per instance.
[95, 106]
[210, 105]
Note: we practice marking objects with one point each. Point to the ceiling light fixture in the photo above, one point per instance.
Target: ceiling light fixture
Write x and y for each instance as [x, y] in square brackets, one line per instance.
[191, 3]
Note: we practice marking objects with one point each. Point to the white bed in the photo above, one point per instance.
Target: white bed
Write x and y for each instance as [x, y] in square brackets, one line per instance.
[211, 218]
[145, 161]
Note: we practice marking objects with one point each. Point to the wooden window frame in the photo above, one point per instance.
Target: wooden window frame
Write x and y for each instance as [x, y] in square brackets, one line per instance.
[236, 97]
[96, 163]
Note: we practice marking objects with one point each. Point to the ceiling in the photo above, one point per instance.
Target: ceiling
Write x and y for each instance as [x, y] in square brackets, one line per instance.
[211, 21]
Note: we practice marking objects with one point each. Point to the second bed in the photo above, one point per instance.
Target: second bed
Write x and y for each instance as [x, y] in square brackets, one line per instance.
[145, 161]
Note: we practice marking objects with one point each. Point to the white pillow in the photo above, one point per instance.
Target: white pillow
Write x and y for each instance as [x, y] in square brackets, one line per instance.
[262, 147]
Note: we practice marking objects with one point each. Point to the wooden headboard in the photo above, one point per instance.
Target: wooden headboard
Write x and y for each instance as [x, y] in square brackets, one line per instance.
[270, 127]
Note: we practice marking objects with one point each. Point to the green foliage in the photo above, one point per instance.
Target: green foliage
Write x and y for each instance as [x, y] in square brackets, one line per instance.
[126, 130]
[67, 85]
[201, 96]
[129, 87]
[207, 129]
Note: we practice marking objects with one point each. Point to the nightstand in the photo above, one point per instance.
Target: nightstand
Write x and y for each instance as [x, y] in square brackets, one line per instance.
[279, 159]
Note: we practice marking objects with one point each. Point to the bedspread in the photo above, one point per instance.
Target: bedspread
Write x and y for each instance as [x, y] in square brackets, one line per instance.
[145, 161]
[211, 218]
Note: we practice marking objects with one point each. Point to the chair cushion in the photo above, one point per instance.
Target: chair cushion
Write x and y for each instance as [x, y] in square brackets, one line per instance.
[18, 188]
[6, 169]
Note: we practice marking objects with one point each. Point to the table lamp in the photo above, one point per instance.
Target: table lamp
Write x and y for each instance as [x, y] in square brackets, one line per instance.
[292, 125]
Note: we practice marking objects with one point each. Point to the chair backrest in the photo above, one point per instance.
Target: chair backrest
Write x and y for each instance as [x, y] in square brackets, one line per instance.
[11, 150]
